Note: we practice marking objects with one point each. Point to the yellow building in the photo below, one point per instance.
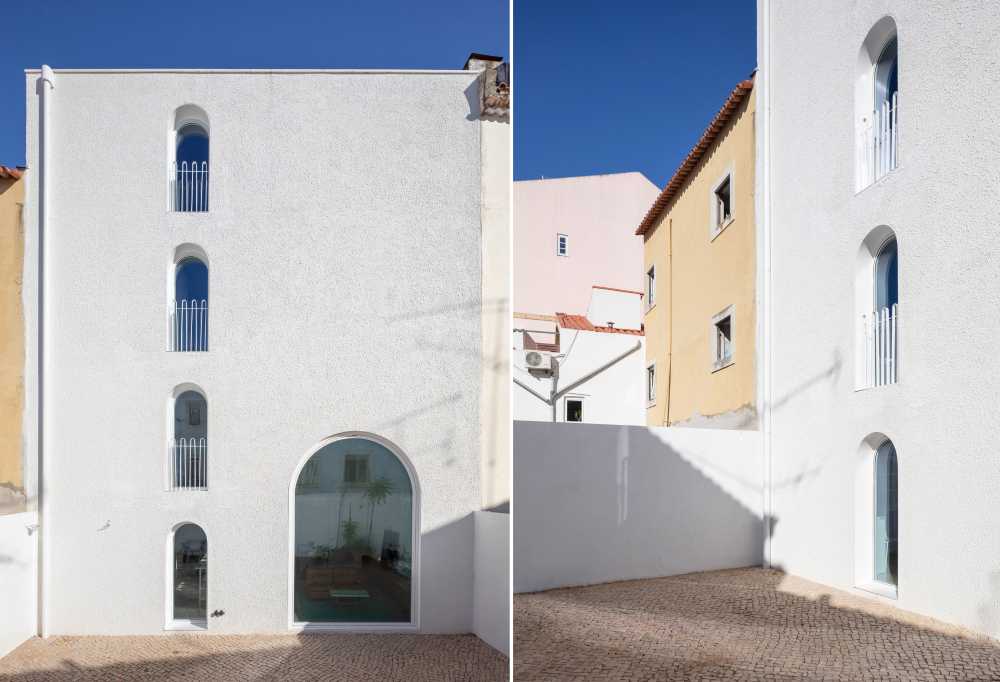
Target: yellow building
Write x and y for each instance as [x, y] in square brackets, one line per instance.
[12, 497]
[700, 260]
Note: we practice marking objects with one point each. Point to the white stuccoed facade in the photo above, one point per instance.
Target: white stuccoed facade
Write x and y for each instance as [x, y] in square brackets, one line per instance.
[615, 394]
[941, 415]
[344, 251]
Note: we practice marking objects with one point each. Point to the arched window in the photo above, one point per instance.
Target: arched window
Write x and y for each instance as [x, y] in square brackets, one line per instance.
[189, 308]
[886, 277]
[886, 515]
[878, 309]
[190, 160]
[354, 538]
[886, 76]
[188, 459]
[188, 602]
[877, 103]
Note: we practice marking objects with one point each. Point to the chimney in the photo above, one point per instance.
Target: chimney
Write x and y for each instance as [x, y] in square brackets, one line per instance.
[494, 86]
[481, 62]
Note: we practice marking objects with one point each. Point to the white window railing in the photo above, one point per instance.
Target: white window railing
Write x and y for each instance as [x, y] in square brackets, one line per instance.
[188, 463]
[189, 326]
[877, 144]
[189, 187]
[881, 344]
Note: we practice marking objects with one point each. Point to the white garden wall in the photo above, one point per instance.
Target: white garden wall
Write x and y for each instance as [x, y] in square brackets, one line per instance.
[18, 579]
[598, 503]
[492, 580]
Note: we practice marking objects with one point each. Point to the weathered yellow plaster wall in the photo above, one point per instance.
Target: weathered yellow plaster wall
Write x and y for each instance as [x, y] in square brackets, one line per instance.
[698, 277]
[12, 497]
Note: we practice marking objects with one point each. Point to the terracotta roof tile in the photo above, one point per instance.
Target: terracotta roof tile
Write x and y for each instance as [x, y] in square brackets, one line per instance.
[574, 322]
[718, 124]
[581, 323]
[6, 172]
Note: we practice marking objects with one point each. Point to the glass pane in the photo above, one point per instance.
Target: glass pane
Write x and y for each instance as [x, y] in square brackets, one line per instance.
[190, 573]
[886, 75]
[192, 281]
[887, 276]
[353, 536]
[886, 516]
[192, 145]
[574, 410]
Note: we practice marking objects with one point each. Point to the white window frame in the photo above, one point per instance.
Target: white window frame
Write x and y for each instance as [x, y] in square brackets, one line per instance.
[651, 288]
[302, 626]
[583, 412]
[562, 244]
[717, 361]
[717, 225]
[651, 385]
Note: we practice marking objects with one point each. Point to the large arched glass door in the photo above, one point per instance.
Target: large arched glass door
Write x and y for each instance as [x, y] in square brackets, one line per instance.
[190, 580]
[353, 536]
[886, 515]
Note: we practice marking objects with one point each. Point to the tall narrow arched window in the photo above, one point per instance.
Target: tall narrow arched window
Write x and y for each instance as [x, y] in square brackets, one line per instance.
[189, 179]
[188, 601]
[189, 308]
[886, 515]
[878, 306]
[354, 543]
[188, 449]
[877, 103]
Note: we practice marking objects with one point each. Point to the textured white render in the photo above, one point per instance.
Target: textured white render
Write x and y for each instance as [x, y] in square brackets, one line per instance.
[941, 204]
[596, 503]
[495, 396]
[18, 579]
[344, 252]
[615, 396]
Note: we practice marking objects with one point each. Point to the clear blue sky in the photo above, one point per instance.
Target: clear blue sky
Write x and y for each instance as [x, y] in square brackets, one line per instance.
[434, 34]
[625, 85]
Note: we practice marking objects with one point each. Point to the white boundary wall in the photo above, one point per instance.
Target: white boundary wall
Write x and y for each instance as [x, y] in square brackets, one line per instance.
[491, 601]
[598, 503]
[18, 580]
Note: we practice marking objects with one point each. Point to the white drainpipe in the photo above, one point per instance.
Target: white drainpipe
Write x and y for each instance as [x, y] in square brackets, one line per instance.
[46, 84]
[762, 211]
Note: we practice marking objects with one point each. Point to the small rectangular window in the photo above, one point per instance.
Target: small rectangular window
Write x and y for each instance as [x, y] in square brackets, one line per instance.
[651, 288]
[355, 468]
[574, 409]
[651, 384]
[722, 341]
[723, 204]
[194, 414]
[562, 245]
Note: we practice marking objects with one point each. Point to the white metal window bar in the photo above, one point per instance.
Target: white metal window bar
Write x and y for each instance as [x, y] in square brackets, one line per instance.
[188, 461]
[190, 187]
[189, 325]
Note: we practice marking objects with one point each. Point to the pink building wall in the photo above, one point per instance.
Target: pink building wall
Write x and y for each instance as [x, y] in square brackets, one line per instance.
[599, 213]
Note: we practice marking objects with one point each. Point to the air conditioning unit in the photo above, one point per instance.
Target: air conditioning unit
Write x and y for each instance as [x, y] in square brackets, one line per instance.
[538, 361]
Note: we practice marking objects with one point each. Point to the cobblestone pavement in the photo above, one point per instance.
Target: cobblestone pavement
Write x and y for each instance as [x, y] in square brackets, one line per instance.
[746, 624]
[344, 657]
